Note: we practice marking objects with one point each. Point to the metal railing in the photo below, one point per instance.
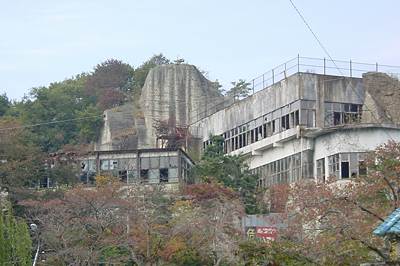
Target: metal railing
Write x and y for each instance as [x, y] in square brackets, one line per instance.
[319, 66]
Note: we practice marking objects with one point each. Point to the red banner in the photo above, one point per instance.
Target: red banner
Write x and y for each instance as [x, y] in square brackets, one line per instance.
[266, 232]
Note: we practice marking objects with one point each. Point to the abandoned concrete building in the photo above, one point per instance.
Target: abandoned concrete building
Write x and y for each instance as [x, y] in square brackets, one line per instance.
[143, 166]
[308, 123]
[307, 118]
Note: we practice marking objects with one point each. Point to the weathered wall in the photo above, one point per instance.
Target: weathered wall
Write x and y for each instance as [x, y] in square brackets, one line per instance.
[305, 86]
[178, 92]
[362, 139]
[382, 98]
[120, 129]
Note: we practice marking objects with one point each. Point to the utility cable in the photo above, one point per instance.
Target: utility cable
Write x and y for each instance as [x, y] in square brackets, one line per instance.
[333, 61]
[50, 123]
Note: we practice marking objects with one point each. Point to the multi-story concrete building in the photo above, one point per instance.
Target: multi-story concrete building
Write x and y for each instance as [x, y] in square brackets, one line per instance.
[309, 122]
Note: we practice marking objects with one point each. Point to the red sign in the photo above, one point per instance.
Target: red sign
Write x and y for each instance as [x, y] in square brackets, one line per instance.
[266, 232]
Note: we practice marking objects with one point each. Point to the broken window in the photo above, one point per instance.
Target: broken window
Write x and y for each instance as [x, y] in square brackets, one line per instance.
[285, 122]
[337, 120]
[321, 169]
[144, 175]
[163, 175]
[123, 176]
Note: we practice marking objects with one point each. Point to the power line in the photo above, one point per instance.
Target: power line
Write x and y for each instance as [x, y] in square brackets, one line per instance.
[333, 61]
[50, 122]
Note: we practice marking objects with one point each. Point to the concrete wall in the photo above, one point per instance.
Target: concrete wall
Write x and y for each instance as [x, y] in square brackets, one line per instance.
[382, 98]
[305, 86]
[362, 139]
[176, 92]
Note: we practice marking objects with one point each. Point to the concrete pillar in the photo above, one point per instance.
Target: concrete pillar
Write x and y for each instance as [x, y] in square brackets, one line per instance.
[320, 102]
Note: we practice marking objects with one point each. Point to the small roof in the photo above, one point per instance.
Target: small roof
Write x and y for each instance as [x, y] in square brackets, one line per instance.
[391, 225]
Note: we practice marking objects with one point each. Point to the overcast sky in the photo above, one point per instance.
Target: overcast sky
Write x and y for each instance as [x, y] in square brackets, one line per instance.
[43, 41]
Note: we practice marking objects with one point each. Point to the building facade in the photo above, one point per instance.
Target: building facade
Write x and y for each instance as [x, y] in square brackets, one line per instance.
[308, 125]
[144, 166]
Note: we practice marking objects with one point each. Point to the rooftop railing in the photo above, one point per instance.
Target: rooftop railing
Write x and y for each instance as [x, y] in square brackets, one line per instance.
[302, 64]
[319, 66]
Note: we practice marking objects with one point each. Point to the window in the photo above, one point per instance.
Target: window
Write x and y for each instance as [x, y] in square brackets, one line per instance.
[113, 164]
[333, 162]
[285, 122]
[145, 163]
[154, 162]
[104, 165]
[123, 176]
[345, 170]
[144, 175]
[321, 169]
[173, 162]
[163, 175]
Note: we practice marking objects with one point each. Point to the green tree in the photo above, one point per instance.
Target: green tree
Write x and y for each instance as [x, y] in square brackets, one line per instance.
[140, 73]
[4, 104]
[61, 101]
[15, 241]
[229, 170]
[240, 89]
[89, 123]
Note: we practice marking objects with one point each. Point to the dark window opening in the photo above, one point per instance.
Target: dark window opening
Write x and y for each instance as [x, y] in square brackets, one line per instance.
[264, 131]
[336, 118]
[345, 169]
[163, 175]
[296, 118]
[236, 143]
[123, 176]
[144, 175]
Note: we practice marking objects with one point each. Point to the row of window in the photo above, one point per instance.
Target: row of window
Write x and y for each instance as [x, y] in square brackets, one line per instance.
[342, 113]
[288, 170]
[247, 134]
[160, 169]
[343, 165]
[283, 171]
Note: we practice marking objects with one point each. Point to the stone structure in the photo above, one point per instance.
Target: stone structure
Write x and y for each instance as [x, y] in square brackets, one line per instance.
[177, 93]
[382, 98]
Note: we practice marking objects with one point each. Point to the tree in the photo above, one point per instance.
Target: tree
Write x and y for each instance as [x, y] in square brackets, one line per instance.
[110, 74]
[336, 220]
[4, 104]
[240, 89]
[21, 161]
[229, 170]
[141, 72]
[207, 224]
[61, 111]
[15, 241]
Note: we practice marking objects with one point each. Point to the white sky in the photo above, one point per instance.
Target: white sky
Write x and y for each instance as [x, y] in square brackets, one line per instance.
[43, 41]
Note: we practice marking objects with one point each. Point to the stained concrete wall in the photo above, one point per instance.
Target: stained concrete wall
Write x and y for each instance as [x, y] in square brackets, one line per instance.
[177, 92]
[304, 86]
[382, 98]
[120, 129]
[362, 139]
